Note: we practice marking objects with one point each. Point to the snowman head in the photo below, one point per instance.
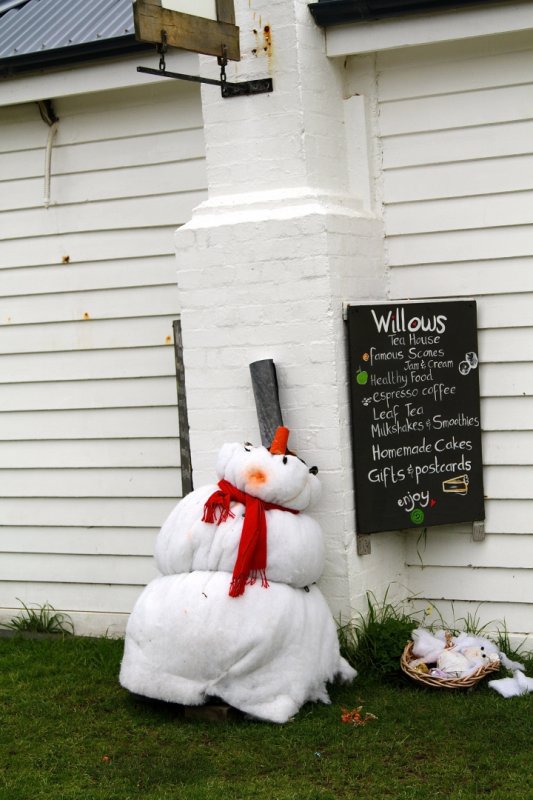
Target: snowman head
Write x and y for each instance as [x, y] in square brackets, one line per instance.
[274, 475]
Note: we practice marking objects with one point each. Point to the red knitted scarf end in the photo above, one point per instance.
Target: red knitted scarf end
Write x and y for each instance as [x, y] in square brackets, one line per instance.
[239, 582]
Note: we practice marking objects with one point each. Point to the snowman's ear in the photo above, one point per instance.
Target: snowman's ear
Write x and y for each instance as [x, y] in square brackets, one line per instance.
[227, 451]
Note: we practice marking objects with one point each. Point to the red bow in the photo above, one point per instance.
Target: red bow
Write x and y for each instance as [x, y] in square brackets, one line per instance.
[252, 554]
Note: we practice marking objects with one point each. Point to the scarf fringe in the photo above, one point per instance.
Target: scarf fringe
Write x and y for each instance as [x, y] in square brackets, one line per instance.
[237, 585]
[217, 509]
[240, 582]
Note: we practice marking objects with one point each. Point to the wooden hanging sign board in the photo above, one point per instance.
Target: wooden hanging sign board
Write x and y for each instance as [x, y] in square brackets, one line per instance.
[414, 384]
[213, 37]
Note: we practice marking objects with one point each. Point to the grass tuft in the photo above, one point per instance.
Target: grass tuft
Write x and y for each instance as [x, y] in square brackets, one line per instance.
[514, 651]
[373, 642]
[40, 619]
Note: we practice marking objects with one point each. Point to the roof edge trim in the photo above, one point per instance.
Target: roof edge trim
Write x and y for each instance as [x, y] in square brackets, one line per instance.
[69, 56]
[337, 12]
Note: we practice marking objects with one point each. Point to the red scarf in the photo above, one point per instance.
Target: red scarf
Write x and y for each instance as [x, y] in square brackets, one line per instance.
[252, 554]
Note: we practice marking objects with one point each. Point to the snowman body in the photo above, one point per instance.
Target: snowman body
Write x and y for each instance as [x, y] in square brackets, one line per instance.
[266, 651]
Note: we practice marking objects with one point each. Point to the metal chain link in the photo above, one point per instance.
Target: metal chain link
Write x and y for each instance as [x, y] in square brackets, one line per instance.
[162, 49]
[222, 63]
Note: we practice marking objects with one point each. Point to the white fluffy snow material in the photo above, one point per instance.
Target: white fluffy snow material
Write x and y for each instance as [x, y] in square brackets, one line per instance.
[513, 687]
[428, 646]
[265, 653]
[284, 480]
[295, 548]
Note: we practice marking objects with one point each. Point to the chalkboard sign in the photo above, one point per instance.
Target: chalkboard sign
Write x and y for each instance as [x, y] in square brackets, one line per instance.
[414, 384]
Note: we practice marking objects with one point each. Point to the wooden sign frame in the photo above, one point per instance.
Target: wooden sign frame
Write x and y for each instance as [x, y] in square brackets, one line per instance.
[415, 412]
[200, 35]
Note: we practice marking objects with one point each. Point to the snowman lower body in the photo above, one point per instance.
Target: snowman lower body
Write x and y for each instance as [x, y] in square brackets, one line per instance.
[266, 652]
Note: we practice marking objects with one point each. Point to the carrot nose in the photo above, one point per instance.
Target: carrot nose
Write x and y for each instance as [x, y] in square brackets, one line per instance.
[279, 442]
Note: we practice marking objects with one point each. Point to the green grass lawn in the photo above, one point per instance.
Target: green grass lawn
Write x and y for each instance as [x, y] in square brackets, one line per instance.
[69, 732]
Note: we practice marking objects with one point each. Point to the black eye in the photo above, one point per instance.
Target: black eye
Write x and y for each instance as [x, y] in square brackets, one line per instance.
[314, 470]
[285, 459]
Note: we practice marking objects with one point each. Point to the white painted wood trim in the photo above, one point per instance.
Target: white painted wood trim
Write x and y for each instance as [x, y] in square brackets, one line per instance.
[409, 31]
[358, 150]
[99, 77]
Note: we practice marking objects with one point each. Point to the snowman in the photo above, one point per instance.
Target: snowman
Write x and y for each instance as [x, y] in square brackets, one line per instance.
[236, 613]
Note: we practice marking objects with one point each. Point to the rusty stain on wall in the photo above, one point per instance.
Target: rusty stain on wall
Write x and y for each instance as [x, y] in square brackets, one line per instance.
[263, 40]
[267, 39]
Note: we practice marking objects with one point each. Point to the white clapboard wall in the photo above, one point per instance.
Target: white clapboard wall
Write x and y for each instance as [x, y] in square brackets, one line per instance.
[89, 440]
[454, 148]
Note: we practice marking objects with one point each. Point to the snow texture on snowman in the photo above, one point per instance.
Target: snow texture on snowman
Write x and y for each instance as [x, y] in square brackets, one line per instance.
[236, 613]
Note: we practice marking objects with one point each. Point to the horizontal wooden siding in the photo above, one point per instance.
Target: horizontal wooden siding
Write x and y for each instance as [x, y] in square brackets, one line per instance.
[453, 144]
[89, 447]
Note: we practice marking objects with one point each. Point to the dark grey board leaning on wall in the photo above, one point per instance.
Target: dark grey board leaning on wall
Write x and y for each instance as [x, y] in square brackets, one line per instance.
[415, 414]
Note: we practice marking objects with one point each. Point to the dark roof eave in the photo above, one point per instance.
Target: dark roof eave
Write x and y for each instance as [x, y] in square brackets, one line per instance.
[68, 56]
[337, 12]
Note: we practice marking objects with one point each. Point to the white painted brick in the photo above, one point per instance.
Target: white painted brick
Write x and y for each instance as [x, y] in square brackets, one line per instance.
[336, 591]
[266, 278]
[186, 236]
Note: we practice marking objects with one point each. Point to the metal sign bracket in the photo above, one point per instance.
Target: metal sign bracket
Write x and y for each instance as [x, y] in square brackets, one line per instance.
[227, 88]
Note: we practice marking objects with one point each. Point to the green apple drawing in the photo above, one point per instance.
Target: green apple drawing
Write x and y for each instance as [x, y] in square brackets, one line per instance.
[361, 377]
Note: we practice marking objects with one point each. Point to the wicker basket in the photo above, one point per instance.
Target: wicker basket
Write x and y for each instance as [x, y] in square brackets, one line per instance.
[445, 683]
